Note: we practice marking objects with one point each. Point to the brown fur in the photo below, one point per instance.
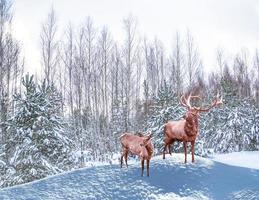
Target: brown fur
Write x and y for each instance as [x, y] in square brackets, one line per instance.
[185, 130]
[137, 145]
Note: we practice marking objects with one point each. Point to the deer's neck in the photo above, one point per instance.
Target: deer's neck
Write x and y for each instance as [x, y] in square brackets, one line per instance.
[149, 150]
[146, 152]
[191, 125]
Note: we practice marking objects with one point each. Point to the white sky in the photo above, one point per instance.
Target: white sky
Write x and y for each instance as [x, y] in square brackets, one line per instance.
[231, 24]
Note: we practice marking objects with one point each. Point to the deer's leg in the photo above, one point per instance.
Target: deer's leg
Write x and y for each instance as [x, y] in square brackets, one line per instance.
[122, 155]
[193, 143]
[169, 147]
[148, 161]
[142, 167]
[121, 160]
[164, 150]
[126, 158]
[185, 151]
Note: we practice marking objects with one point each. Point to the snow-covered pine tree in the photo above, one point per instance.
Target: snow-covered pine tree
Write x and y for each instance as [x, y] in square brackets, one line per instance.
[117, 124]
[166, 108]
[36, 146]
[232, 128]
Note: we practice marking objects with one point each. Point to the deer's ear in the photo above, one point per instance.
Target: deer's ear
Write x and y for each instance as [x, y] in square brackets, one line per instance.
[145, 142]
[149, 136]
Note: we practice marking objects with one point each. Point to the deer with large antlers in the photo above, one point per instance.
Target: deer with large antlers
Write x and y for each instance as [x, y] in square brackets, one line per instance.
[137, 145]
[186, 130]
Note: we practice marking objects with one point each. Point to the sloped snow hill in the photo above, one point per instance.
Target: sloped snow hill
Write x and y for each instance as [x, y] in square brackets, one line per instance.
[248, 159]
[170, 179]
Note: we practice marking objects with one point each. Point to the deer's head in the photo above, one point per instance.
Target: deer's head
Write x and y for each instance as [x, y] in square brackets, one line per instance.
[146, 147]
[193, 111]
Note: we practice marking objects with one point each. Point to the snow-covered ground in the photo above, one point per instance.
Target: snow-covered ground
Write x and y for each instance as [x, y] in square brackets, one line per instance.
[169, 179]
[248, 159]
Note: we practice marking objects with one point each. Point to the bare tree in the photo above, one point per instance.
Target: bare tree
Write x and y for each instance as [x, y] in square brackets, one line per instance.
[10, 64]
[193, 62]
[79, 76]
[177, 64]
[154, 63]
[105, 50]
[69, 62]
[116, 118]
[130, 53]
[160, 66]
[241, 74]
[220, 61]
[49, 47]
[151, 68]
[89, 39]
[256, 81]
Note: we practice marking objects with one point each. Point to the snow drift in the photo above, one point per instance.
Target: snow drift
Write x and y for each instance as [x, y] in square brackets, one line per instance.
[169, 179]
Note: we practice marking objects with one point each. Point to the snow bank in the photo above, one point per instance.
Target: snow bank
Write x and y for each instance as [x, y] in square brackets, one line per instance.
[178, 159]
[196, 195]
[249, 159]
[169, 179]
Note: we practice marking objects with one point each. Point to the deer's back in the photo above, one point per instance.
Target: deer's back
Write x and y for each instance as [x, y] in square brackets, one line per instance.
[175, 130]
[132, 143]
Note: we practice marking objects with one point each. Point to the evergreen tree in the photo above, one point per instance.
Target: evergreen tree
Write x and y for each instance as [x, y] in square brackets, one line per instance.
[36, 145]
[117, 125]
[232, 128]
[166, 108]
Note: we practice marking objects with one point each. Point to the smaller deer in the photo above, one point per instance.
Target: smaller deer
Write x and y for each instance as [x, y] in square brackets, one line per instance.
[137, 145]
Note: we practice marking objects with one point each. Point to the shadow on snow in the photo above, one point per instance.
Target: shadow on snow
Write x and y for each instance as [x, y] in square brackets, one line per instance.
[214, 181]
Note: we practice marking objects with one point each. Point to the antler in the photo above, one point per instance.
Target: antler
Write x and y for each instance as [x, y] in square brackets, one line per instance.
[183, 101]
[216, 102]
[186, 102]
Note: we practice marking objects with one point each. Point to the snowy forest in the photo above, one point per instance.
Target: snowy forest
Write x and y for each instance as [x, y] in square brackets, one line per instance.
[92, 88]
